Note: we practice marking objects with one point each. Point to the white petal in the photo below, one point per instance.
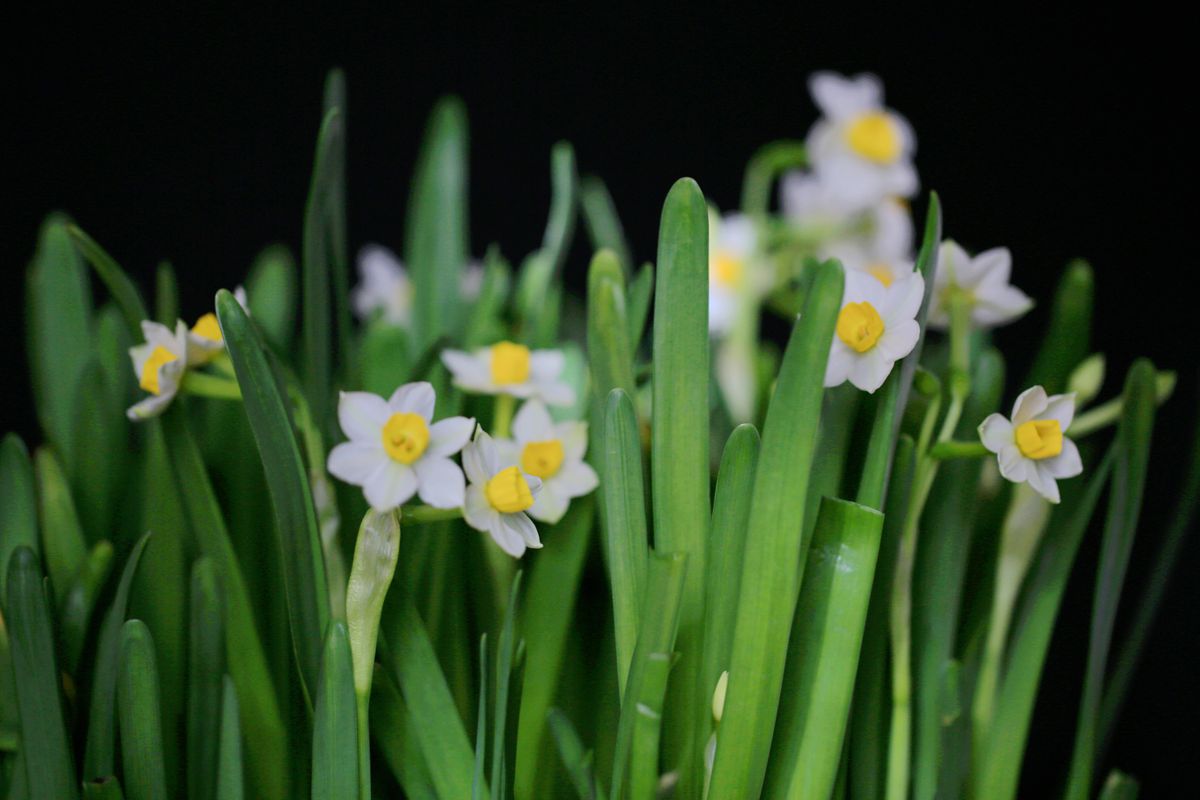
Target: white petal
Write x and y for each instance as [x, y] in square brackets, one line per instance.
[1060, 407]
[469, 371]
[440, 482]
[448, 436]
[391, 485]
[161, 336]
[550, 505]
[139, 355]
[555, 394]
[1043, 482]
[508, 539]
[870, 370]
[479, 458]
[999, 305]
[574, 438]
[837, 368]
[1014, 466]
[953, 261]
[152, 406]
[477, 512]
[508, 453]
[362, 415]
[1066, 464]
[546, 365]
[524, 528]
[898, 340]
[576, 479]
[355, 462]
[996, 433]
[533, 423]
[904, 298]
[840, 97]
[1030, 405]
[414, 398]
[993, 267]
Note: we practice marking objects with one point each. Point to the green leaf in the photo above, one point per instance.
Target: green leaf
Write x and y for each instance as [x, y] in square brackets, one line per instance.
[230, 783]
[99, 759]
[626, 540]
[641, 291]
[335, 725]
[479, 778]
[100, 446]
[59, 329]
[540, 271]
[335, 212]
[577, 762]
[661, 610]
[600, 217]
[385, 358]
[1068, 336]
[206, 668]
[44, 746]
[1119, 786]
[18, 504]
[271, 294]
[768, 162]
[485, 324]
[63, 545]
[103, 789]
[1124, 506]
[679, 468]
[124, 292]
[772, 571]
[546, 622]
[823, 650]
[139, 715]
[395, 733]
[287, 480]
[166, 295]
[610, 355]
[79, 600]
[504, 663]
[436, 234]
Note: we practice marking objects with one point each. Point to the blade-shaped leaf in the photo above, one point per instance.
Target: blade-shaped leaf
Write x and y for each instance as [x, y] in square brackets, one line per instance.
[335, 724]
[206, 668]
[140, 716]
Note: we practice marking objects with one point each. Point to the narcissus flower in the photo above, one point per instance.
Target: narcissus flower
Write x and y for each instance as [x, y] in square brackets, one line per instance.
[159, 364]
[512, 369]
[498, 497]
[1032, 447]
[384, 287]
[861, 150]
[982, 282]
[876, 327]
[396, 451]
[731, 243]
[205, 340]
[552, 452]
[883, 249]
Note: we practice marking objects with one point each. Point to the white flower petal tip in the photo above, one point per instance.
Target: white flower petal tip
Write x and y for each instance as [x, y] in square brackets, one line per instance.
[394, 453]
[736, 281]
[159, 365]
[982, 282]
[876, 328]
[1032, 446]
[384, 288]
[511, 369]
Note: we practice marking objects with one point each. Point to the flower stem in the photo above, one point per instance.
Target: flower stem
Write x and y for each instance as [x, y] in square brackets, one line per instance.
[207, 385]
[502, 415]
[423, 515]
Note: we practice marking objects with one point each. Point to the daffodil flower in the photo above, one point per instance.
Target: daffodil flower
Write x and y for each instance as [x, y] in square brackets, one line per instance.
[982, 282]
[1032, 446]
[205, 341]
[385, 287]
[884, 251]
[731, 243]
[498, 497]
[159, 364]
[861, 150]
[511, 369]
[876, 327]
[395, 450]
[552, 452]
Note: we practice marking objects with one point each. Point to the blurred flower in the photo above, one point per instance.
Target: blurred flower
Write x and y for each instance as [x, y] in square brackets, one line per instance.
[983, 281]
[498, 496]
[512, 369]
[205, 341]
[861, 150]
[394, 452]
[731, 274]
[876, 328]
[384, 288]
[552, 452]
[883, 249]
[1031, 447]
[159, 364]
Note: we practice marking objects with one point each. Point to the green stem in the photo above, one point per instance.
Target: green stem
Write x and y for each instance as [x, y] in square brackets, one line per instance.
[364, 745]
[1108, 413]
[207, 385]
[948, 450]
[423, 515]
[502, 415]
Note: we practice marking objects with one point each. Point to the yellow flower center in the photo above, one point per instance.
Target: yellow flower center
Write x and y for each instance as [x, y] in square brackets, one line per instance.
[510, 363]
[726, 269]
[859, 326]
[149, 377]
[542, 459]
[405, 436]
[208, 328]
[875, 136]
[1040, 438]
[881, 272]
[508, 492]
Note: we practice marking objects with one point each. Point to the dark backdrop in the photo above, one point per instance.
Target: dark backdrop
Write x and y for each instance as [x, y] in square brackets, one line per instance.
[189, 136]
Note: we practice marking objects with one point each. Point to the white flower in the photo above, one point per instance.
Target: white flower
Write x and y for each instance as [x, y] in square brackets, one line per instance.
[883, 249]
[552, 452]
[159, 364]
[394, 452]
[861, 150]
[498, 497]
[205, 340]
[1031, 447]
[385, 287]
[732, 277]
[876, 327]
[512, 369]
[984, 283]
[471, 281]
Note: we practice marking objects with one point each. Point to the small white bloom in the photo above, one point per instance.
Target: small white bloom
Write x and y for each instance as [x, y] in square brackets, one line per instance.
[394, 452]
[1032, 447]
[239, 294]
[552, 452]
[471, 281]
[861, 150]
[512, 369]
[159, 364]
[385, 287]
[983, 281]
[204, 340]
[883, 248]
[733, 280]
[876, 327]
[498, 496]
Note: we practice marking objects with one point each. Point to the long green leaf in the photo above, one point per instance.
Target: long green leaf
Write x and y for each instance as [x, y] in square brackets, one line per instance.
[139, 714]
[166, 295]
[122, 289]
[287, 480]
[335, 211]
[75, 614]
[394, 732]
[63, 545]
[600, 218]
[823, 651]
[271, 292]
[98, 467]
[18, 504]
[1067, 337]
[230, 783]
[539, 272]
[679, 446]
[479, 777]
[1124, 506]
[46, 752]
[103, 789]
[771, 571]
[335, 725]
[641, 292]
[768, 162]
[504, 664]
[577, 762]
[1119, 786]
[206, 669]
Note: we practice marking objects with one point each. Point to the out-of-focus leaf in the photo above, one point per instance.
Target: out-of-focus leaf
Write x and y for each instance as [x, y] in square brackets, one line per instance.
[335, 724]
[140, 716]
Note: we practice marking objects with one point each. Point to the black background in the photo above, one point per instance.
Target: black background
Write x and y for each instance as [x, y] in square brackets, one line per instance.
[189, 135]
